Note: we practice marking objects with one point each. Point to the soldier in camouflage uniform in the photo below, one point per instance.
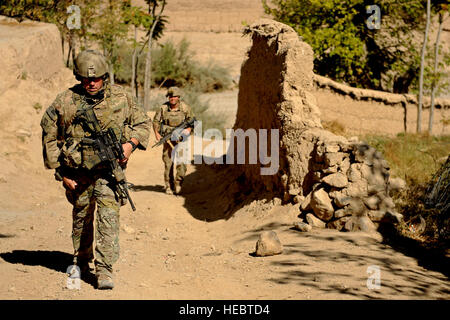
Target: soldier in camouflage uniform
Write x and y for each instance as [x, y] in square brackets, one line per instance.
[170, 115]
[87, 186]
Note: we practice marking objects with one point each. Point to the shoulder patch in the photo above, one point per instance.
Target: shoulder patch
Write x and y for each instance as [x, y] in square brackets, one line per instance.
[51, 113]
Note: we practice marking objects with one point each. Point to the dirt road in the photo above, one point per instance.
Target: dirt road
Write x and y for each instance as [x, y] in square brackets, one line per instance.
[169, 251]
[181, 247]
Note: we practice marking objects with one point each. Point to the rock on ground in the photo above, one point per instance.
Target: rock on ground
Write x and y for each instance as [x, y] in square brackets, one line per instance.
[301, 226]
[268, 244]
[314, 221]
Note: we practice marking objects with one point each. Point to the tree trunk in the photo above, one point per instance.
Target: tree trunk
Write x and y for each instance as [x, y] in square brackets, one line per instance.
[422, 65]
[133, 65]
[147, 79]
[148, 60]
[62, 44]
[74, 48]
[69, 51]
[434, 85]
[111, 73]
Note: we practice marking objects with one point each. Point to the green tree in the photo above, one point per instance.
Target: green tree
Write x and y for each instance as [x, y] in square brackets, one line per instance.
[173, 64]
[45, 11]
[56, 12]
[345, 49]
[137, 17]
[108, 30]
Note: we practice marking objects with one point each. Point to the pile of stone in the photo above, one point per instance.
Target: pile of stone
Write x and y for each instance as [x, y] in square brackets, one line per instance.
[336, 182]
[350, 187]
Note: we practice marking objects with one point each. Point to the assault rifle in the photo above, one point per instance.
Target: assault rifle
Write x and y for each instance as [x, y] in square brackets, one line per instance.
[107, 148]
[176, 133]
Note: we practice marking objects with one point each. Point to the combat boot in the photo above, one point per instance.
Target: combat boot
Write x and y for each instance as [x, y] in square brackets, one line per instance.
[177, 187]
[168, 190]
[104, 281]
[86, 267]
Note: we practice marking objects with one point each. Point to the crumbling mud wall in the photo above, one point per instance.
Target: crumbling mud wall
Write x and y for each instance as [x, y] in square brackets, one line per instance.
[335, 182]
[32, 73]
[29, 50]
[387, 98]
[363, 111]
[275, 93]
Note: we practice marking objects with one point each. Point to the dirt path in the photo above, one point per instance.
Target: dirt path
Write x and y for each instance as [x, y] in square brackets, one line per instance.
[167, 253]
[168, 250]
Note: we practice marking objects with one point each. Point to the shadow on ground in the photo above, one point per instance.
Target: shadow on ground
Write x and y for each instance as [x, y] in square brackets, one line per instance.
[54, 260]
[2, 235]
[214, 192]
[432, 257]
[320, 260]
[156, 188]
[328, 262]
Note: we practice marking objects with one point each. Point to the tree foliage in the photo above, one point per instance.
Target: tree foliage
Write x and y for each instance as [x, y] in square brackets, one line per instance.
[174, 65]
[108, 31]
[103, 24]
[345, 49]
[39, 10]
[47, 10]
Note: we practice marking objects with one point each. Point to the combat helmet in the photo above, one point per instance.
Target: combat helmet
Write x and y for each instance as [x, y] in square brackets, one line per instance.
[173, 92]
[90, 64]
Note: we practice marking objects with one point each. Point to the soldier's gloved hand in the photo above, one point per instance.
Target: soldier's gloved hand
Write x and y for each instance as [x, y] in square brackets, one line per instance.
[185, 134]
[127, 149]
[177, 136]
[69, 183]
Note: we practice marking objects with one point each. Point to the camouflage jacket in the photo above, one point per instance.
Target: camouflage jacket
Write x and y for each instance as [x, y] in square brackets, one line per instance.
[62, 131]
[167, 118]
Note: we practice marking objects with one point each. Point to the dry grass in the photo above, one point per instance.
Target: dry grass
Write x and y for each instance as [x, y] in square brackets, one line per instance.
[416, 158]
[412, 157]
[334, 126]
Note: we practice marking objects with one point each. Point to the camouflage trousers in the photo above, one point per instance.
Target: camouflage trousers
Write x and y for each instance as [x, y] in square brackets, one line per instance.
[92, 192]
[168, 167]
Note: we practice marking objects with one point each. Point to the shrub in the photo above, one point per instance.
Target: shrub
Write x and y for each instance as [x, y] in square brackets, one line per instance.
[37, 106]
[173, 65]
[418, 160]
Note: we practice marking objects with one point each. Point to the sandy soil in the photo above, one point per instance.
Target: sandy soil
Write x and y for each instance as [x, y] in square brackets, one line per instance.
[168, 251]
[183, 247]
[209, 15]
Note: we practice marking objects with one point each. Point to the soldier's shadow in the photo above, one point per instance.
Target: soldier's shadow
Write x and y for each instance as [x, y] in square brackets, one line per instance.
[54, 260]
[156, 188]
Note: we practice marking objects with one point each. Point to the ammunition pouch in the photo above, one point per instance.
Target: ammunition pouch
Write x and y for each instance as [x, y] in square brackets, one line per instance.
[165, 129]
[175, 121]
[90, 157]
[71, 153]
